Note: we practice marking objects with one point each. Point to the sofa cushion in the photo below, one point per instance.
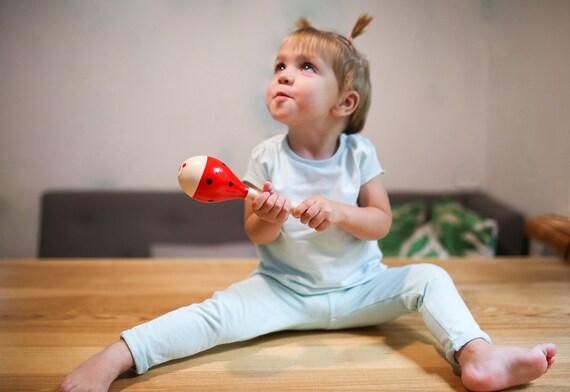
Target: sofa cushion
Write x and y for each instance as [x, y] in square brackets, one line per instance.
[511, 241]
[243, 249]
[463, 232]
[406, 218]
[423, 243]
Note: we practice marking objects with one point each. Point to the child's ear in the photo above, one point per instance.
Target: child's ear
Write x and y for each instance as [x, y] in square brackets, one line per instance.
[347, 104]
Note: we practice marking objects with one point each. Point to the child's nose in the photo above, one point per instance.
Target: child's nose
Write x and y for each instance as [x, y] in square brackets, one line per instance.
[285, 78]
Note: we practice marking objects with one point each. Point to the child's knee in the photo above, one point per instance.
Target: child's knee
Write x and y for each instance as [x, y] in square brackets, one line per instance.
[426, 277]
[430, 272]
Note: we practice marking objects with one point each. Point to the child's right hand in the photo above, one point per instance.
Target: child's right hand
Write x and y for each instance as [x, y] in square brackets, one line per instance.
[270, 206]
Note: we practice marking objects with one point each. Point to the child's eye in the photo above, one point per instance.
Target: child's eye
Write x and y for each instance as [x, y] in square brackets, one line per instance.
[308, 67]
[279, 67]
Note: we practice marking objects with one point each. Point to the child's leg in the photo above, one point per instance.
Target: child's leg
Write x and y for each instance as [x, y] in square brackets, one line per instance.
[484, 367]
[429, 290]
[442, 308]
[253, 307]
[425, 288]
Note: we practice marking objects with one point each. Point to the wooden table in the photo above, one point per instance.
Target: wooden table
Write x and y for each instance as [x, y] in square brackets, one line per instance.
[56, 313]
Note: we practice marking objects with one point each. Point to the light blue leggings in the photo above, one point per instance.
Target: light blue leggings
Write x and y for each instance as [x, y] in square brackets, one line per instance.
[260, 305]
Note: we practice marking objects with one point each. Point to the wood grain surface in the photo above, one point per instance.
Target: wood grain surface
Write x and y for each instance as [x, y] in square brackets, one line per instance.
[54, 314]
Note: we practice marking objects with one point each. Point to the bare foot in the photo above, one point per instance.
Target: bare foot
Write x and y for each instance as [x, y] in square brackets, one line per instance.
[98, 372]
[486, 367]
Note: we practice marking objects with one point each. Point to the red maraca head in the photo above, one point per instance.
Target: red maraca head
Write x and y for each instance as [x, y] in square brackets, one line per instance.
[209, 180]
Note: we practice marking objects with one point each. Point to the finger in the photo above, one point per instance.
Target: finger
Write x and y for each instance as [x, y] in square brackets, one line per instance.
[268, 205]
[267, 187]
[277, 206]
[259, 202]
[282, 216]
[310, 213]
[324, 225]
[277, 202]
[302, 208]
[287, 206]
[316, 221]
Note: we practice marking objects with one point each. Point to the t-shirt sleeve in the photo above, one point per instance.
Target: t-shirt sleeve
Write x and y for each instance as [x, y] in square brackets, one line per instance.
[369, 164]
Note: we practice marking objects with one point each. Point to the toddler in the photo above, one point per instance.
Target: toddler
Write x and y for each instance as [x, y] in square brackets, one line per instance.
[320, 265]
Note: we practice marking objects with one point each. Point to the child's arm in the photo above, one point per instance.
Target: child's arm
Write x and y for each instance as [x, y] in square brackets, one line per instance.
[265, 215]
[371, 220]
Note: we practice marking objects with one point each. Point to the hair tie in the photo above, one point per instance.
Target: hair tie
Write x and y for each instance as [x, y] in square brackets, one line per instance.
[349, 38]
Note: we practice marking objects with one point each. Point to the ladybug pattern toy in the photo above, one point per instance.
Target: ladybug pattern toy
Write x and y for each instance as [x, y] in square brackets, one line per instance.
[209, 180]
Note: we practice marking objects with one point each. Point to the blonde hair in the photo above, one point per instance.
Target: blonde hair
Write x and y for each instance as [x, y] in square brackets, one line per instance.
[349, 65]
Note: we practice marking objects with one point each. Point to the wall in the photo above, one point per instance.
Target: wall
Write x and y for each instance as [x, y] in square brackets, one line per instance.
[528, 142]
[114, 95]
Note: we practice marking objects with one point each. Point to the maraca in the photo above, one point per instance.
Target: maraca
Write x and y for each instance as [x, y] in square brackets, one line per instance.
[209, 180]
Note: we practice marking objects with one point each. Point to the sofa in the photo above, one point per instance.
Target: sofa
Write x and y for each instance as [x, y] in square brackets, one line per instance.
[93, 223]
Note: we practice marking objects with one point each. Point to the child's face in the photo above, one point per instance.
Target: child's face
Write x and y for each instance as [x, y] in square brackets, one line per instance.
[304, 87]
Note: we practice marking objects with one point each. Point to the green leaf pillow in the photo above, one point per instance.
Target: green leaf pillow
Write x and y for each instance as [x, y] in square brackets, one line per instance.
[423, 243]
[463, 232]
[406, 218]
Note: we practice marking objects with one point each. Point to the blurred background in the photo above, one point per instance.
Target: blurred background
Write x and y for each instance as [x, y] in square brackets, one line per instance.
[467, 95]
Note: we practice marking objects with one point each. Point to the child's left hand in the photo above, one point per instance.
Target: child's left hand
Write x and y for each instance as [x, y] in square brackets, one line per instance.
[317, 212]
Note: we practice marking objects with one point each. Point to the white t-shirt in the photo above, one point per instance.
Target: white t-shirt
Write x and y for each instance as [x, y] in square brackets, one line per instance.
[301, 258]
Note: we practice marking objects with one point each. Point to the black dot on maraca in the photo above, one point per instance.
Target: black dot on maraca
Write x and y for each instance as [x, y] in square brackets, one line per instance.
[209, 181]
[210, 201]
[231, 183]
